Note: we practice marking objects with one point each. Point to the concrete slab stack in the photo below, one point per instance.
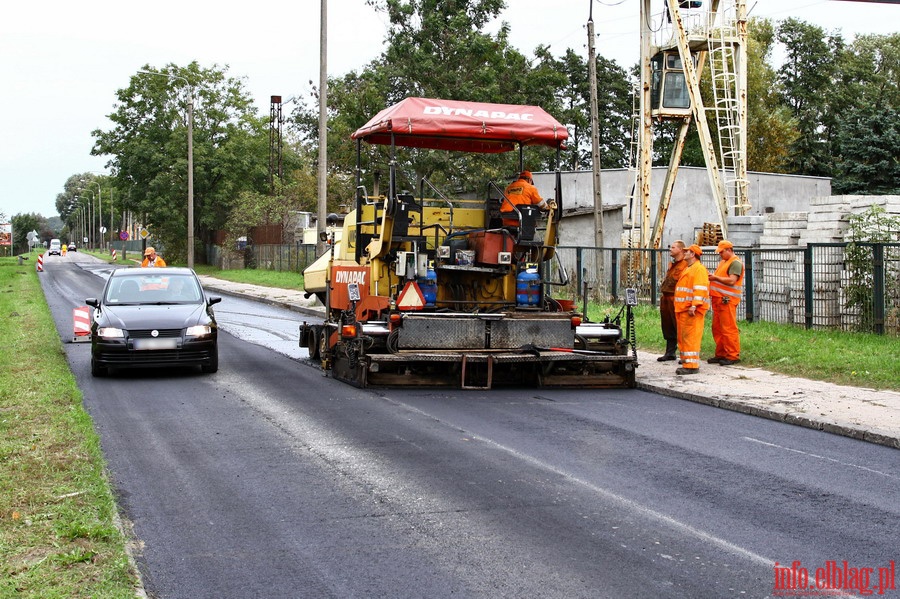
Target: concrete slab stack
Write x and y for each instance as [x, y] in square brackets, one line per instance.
[745, 231]
[783, 229]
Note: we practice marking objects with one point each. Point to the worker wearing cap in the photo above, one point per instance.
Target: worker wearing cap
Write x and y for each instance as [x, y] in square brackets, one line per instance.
[725, 292]
[691, 303]
[667, 300]
[151, 259]
[521, 192]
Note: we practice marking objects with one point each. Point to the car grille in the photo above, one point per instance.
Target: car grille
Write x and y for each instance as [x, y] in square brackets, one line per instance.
[153, 357]
[145, 334]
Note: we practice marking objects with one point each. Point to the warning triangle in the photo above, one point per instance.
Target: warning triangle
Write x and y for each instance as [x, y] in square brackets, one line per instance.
[411, 297]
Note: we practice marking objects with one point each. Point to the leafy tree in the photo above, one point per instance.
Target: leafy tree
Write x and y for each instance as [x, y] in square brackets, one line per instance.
[869, 162]
[807, 80]
[867, 134]
[435, 49]
[148, 148]
[23, 224]
[772, 129]
[568, 76]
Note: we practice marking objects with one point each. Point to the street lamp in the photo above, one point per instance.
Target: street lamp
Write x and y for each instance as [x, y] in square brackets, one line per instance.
[190, 206]
[92, 213]
[100, 211]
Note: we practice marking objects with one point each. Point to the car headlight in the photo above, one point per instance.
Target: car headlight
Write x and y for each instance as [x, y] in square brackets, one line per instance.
[110, 333]
[198, 330]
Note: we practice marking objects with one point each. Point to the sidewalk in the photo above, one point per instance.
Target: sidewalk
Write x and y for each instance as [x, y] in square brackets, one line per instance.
[864, 414]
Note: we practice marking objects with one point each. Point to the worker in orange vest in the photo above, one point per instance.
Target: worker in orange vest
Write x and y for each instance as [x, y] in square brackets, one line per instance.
[151, 259]
[725, 292]
[521, 192]
[691, 304]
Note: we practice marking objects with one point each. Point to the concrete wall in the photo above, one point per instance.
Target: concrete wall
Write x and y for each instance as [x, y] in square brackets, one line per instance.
[692, 201]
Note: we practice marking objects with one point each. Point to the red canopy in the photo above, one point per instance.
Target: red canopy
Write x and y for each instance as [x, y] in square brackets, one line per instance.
[462, 126]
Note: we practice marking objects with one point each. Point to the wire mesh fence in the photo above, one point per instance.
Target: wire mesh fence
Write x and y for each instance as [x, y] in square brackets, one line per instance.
[850, 287]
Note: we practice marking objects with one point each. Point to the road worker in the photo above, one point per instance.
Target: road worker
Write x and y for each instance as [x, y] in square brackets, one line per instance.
[521, 192]
[691, 303]
[725, 293]
[667, 300]
[151, 259]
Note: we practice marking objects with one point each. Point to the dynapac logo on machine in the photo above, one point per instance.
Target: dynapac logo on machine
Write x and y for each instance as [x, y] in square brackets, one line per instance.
[481, 114]
[347, 276]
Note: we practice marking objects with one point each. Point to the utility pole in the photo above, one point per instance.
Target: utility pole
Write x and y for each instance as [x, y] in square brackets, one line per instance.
[323, 127]
[595, 132]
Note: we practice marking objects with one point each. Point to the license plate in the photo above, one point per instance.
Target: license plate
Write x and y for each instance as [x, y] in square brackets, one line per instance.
[155, 344]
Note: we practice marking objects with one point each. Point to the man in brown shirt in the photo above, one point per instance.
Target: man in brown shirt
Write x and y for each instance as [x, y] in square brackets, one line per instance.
[667, 301]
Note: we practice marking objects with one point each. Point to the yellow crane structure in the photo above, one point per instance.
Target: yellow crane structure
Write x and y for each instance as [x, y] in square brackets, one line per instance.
[677, 43]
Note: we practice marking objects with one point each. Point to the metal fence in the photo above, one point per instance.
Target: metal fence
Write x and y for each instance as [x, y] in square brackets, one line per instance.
[850, 287]
[284, 257]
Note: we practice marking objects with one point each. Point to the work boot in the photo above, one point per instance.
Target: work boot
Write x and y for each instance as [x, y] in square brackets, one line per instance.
[716, 360]
[671, 346]
[687, 371]
[727, 362]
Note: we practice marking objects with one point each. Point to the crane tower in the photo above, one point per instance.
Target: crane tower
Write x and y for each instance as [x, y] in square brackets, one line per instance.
[680, 43]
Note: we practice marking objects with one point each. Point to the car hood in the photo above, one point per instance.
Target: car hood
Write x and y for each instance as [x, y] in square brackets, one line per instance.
[153, 317]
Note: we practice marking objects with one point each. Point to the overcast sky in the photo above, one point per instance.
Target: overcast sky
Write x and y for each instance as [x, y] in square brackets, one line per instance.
[61, 62]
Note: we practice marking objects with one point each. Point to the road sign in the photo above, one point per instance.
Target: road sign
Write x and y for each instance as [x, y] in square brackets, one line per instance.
[144, 233]
[85, 240]
[103, 229]
[123, 235]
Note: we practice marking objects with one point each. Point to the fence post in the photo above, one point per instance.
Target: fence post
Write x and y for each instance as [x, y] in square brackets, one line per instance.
[614, 273]
[808, 284]
[653, 277]
[579, 276]
[748, 285]
[878, 288]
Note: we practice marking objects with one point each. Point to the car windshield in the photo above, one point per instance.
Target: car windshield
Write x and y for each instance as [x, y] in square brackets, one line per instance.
[154, 289]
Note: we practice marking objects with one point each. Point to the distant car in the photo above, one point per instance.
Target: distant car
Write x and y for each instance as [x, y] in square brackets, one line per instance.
[153, 317]
[55, 248]
[71, 247]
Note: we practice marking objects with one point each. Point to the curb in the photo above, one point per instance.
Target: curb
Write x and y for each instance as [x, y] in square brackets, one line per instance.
[859, 434]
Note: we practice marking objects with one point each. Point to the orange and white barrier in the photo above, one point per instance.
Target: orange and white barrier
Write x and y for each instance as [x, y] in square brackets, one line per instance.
[40, 263]
[114, 257]
[82, 319]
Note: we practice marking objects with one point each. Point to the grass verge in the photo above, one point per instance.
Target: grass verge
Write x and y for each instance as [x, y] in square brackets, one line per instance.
[57, 531]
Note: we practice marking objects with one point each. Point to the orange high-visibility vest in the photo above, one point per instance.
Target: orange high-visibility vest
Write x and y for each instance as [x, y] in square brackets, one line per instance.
[717, 289]
[692, 289]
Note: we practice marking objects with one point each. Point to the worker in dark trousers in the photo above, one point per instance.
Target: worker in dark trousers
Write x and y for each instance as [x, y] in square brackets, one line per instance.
[667, 300]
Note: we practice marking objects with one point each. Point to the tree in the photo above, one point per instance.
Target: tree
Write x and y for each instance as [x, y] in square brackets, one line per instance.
[568, 78]
[148, 148]
[772, 129]
[869, 161]
[23, 224]
[436, 49]
[807, 79]
[867, 134]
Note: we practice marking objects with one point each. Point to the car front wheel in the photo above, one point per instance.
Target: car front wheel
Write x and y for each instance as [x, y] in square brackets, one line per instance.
[213, 365]
[96, 369]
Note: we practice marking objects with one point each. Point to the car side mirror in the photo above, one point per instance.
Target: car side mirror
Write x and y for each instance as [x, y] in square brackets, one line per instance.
[213, 300]
[92, 301]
